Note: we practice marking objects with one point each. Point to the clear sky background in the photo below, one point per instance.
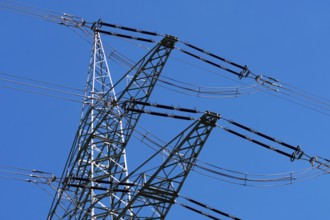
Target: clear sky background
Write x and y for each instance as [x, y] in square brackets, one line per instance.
[287, 40]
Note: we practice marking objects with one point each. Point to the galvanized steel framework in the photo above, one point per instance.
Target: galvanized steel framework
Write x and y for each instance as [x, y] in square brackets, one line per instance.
[96, 183]
[154, 193]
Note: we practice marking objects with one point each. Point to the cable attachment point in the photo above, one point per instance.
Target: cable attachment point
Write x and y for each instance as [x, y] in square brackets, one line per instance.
[169, 41]
[52, 179]
[313, 160]
[210, 118]
[297, 154]
[128, 104]
[245, 72]
[97, 25]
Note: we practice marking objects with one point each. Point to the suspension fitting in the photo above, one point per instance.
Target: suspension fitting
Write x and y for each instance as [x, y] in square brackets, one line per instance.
[210, 118]
[96, 25]
[169, 41]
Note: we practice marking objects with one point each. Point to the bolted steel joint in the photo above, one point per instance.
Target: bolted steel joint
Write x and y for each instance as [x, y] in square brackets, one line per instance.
[169, 41]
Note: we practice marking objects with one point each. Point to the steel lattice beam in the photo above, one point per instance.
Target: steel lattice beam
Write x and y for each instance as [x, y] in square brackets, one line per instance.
[152, 195]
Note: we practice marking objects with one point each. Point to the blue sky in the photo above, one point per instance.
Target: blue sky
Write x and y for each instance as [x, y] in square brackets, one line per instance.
[287, 40]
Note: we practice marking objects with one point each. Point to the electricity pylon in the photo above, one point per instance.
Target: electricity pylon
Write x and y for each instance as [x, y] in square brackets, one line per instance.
[97, 160]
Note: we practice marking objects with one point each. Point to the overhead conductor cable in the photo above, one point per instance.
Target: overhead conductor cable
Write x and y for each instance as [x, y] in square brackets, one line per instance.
[211, 209]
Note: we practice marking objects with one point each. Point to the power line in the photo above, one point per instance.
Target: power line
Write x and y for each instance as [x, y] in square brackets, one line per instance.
[41, 87]
[76, 22]
[321, 165]
[230, 176]
[49, 180]
[42, 82]
[168, 115]
[41, 93]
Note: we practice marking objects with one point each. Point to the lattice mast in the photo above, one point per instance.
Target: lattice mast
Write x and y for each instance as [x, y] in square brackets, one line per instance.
[153, 194]
[97, 160]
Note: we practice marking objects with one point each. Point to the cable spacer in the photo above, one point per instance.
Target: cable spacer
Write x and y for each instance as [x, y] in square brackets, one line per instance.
[297, 154]
[258, 78]
[245, 72]
[301, 153]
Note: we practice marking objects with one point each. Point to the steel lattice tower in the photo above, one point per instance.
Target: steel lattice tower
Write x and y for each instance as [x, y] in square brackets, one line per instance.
[97, 160]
